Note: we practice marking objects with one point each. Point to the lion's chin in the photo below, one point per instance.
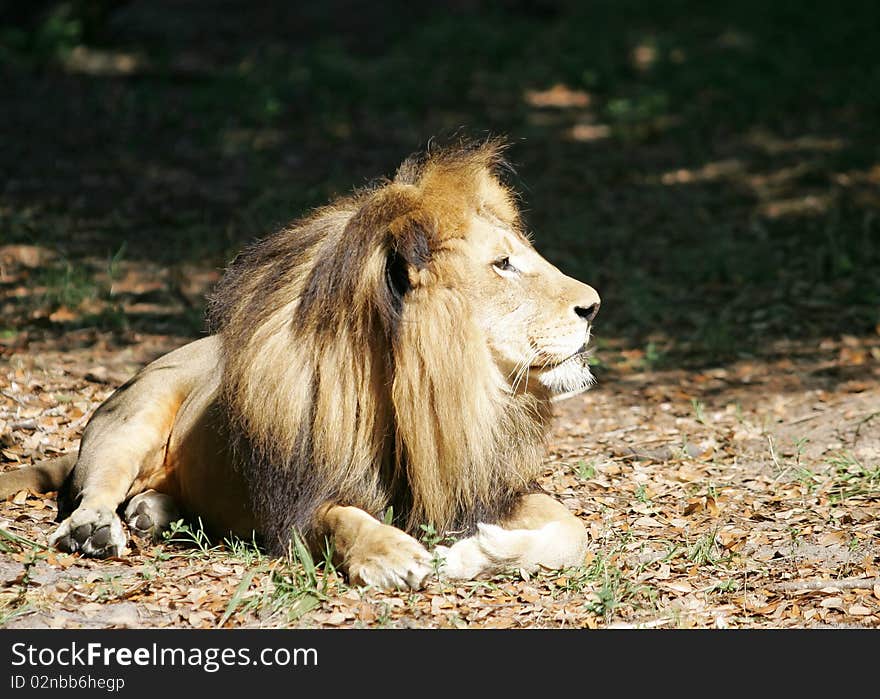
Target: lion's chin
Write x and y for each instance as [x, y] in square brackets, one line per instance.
[568, 379]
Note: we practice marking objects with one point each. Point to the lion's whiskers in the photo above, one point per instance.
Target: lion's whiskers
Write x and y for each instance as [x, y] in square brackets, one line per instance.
[522, 370]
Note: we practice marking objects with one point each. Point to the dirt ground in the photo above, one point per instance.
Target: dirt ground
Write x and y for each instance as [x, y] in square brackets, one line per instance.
[744, 495]
[712, 169]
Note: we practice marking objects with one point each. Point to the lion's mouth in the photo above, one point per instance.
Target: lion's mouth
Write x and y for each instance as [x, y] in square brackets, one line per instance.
[583, 353]
[570, 376]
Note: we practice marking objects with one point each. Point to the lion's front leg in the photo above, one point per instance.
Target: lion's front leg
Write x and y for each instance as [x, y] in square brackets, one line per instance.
[372, 553]
[540, 534]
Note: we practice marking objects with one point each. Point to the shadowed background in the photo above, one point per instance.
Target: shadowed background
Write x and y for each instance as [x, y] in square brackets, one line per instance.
[713, 171]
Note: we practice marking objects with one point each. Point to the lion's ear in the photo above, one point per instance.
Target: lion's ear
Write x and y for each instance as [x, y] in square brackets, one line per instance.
[397, 276]
[409, 252]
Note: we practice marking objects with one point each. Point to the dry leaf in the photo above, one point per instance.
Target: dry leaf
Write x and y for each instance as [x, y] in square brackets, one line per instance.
[831, 538]
[647, 522]
[530, 596]
[335, 618]
[858, 610]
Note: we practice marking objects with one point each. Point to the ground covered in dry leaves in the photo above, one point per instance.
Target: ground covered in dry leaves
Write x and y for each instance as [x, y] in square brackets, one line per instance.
[745, 495]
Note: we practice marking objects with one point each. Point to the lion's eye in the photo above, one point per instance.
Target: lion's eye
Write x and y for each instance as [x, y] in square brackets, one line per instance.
[503, 265]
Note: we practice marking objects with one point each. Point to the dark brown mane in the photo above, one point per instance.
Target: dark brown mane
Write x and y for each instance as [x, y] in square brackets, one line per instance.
[337, 381]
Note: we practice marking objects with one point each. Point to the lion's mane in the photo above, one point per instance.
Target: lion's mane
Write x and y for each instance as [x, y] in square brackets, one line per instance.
[354, 371]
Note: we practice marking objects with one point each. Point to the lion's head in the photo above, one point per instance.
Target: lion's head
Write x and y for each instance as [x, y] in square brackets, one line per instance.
[401, 348]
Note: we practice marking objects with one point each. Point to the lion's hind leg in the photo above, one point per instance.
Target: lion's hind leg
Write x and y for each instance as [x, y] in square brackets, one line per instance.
[123, 446]
[123, 453]
[540, 534]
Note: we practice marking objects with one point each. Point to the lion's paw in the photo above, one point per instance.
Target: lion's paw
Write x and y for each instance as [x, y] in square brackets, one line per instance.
[93, 532]
[494, 549]
[388, 558]
[489, 551]
[150, 513]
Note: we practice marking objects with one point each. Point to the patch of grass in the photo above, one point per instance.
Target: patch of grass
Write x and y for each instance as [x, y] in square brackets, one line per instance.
[246, 551]
[718, 340]
[430, 537]
[14, 543]
[67, 285]
[111, 318]
[725, 587]
[585, 470]
[606, 585]
[682, 449]
[608, 596]
[195, 542]
[800, 445]
[810, 480]
[699, 411]
[287, 587]
[851, 478]
[298, 584]
[58, 32]
[638, 117]
[10, 608]
[192, 536]
[654, 357]
[29, 553]
[704, 551]
[109, 588]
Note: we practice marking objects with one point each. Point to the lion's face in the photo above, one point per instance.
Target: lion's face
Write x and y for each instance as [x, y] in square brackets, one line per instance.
[536, 319]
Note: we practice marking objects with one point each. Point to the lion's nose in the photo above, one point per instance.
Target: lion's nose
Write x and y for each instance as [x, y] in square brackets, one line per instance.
[587, 312]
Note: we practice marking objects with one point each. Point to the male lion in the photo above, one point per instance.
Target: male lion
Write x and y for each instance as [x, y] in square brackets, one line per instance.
[398, 348]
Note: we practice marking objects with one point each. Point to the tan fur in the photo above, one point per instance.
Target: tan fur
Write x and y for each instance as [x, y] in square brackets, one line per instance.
[381, 353]
[41, 477]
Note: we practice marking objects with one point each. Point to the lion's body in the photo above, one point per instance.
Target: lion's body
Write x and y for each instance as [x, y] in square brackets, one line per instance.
[399, 349]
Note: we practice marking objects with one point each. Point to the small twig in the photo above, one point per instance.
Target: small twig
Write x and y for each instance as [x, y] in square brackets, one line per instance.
[842, 584]
[773, 453]
[806, 418]
[12, 396]
[862, 422]
[782, 470]
[135, 589]
[621, 430]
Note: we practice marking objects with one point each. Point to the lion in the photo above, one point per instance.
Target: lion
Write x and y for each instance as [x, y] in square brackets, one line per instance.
[393, 355]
